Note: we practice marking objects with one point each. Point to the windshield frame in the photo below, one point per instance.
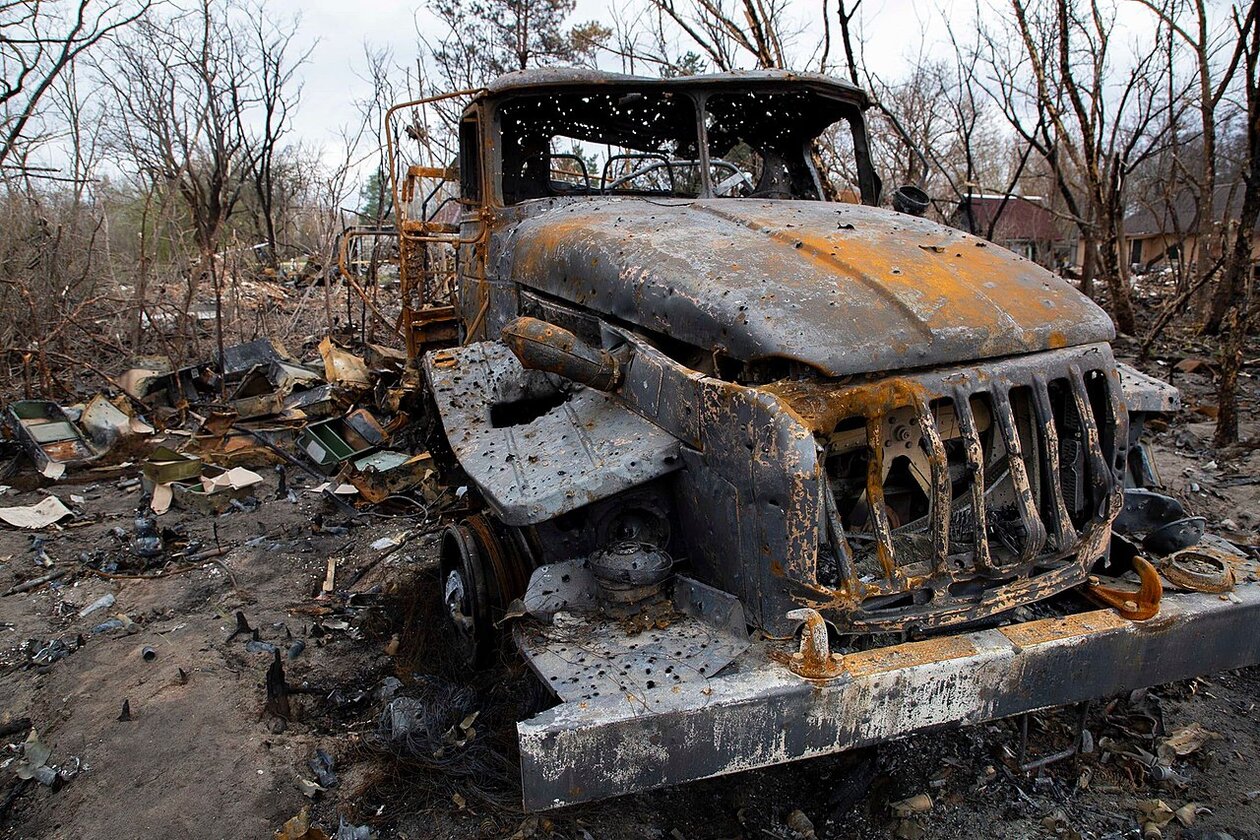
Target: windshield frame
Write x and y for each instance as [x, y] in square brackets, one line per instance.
[849, 107]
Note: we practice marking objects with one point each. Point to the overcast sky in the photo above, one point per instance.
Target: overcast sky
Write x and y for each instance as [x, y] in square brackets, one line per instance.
[895, 35]
[332, 80]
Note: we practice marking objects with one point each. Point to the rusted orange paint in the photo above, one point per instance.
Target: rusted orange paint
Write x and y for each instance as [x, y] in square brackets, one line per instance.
[1052, 629]
[910, 654]
[1139, 604]
[942, 280]
[809, 290]
[821, 406]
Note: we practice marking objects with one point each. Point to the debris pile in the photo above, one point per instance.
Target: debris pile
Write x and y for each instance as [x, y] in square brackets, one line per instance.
[197, 434]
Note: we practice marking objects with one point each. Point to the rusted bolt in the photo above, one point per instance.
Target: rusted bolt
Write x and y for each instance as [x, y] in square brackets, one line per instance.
[814, 661]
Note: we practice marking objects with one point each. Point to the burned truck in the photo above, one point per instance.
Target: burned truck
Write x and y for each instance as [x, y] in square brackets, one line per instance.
[757, 468]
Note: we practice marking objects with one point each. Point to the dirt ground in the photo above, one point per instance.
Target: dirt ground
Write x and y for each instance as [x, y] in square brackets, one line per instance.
[198, 754]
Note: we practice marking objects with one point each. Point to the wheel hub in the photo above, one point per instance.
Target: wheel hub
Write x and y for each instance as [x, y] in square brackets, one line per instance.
[481, 573]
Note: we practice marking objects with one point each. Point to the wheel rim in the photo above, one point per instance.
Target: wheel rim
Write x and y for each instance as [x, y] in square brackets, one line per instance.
[481, 573]
[464, 595]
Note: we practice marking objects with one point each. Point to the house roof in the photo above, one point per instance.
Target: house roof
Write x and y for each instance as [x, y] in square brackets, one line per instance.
[1168, 217]
[1021, 218]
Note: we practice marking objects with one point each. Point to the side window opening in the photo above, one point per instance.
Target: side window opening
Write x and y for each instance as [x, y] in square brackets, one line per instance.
[835, 156]
[470, 161]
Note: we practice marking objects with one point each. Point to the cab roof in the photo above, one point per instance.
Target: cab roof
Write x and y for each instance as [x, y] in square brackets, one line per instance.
[578, 77]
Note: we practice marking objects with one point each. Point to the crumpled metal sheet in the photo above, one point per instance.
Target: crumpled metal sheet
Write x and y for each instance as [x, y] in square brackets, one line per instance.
[585, 448]
[344, 368]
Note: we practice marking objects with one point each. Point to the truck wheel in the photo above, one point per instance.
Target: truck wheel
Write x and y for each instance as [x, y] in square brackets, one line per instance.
[484, 568]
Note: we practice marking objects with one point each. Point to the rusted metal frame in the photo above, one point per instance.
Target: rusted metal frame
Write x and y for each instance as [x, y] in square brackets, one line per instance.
[942, 487]
[1074, 751]
[400, 209]
[975, 463]
[1030, 517]
[875, 499]
[840, 547]
[1120, 443]
[943, 612]
[1103, 478]
[454, 241]
[343, 265]
[389, 137]
[1065, 535]
[424, 241]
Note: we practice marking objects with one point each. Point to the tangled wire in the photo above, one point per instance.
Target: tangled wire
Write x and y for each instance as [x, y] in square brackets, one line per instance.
[433, 733]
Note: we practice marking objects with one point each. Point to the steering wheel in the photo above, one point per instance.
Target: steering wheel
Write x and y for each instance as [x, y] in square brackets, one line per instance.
[727, 186]
[655, 162]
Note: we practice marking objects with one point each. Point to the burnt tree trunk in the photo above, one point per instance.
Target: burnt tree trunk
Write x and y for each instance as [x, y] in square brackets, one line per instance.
[1222, 298]
[1089, 265]
[1115, 271]
[1115, 262]
[1227, 389]
[1237, 278]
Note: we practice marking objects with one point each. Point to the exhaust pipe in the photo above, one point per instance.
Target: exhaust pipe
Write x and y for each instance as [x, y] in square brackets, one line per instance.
[540, 345]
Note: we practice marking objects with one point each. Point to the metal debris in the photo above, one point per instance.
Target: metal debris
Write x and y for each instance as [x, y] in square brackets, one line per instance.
[1199, 569]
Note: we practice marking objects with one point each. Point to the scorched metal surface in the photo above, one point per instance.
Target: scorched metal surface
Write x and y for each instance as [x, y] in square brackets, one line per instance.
[842, 288]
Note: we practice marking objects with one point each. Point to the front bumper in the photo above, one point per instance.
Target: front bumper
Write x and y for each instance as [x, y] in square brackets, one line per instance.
[756, 712]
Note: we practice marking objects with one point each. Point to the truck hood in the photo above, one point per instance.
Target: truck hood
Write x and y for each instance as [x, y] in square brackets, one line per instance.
[843, 288]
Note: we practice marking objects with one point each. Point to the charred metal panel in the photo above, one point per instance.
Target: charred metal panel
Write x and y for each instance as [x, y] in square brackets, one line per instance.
[842, 288]
[710, 512]
[769, 461]
[758, 713]
[486, 305]
[1147, 394]
[753, 489]
[664, 392]
[537, 449]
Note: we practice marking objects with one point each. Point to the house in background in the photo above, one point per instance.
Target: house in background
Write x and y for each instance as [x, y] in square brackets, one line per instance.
[1023, 224]
[1164, 233]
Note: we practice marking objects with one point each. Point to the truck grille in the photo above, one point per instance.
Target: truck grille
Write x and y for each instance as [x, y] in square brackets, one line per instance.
[959, 494]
